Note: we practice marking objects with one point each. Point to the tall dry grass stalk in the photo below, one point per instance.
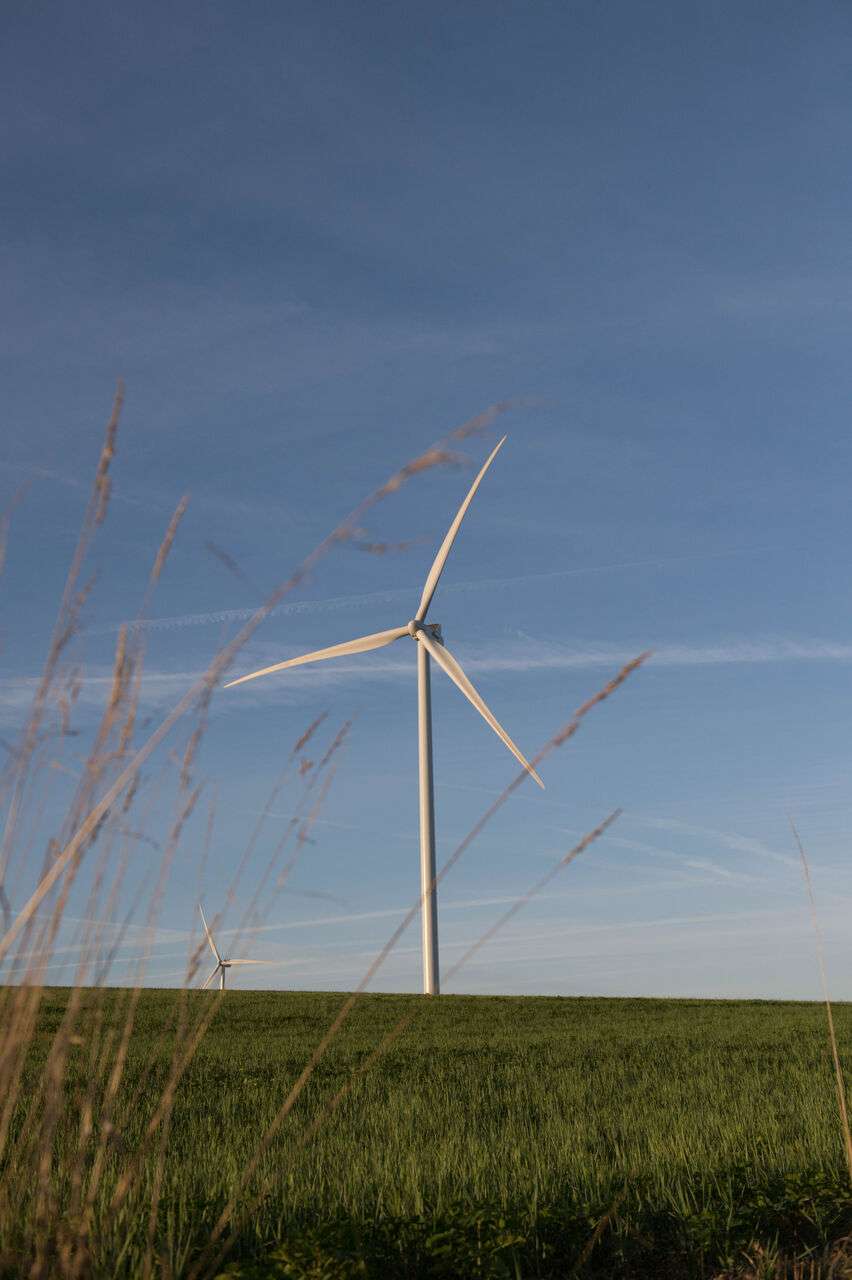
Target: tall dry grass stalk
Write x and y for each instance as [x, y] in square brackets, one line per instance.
[839, 1081]
[71, 604]
[6, 519]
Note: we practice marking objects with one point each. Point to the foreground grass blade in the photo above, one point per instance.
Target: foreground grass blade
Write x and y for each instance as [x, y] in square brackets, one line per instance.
[838, 1070]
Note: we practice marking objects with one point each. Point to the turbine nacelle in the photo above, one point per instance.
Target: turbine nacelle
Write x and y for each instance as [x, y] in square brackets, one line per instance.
[433, 628]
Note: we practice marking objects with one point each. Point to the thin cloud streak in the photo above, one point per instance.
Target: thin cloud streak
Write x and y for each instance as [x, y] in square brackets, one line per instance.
[708, 865]
[583, 943]
[731, 839]
[16, 693]
[336, 604]
[542, 656]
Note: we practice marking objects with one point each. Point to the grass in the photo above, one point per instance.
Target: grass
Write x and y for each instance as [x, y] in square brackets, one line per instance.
[517, 1123]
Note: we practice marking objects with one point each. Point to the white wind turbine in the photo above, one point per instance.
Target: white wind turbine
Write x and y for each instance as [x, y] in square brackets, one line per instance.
[430, 645]
[221, 963]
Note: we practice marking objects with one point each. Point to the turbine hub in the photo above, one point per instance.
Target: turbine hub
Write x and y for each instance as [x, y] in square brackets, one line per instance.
[434, 628]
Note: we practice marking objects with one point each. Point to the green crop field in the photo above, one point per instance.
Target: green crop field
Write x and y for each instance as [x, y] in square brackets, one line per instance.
[495, 1136]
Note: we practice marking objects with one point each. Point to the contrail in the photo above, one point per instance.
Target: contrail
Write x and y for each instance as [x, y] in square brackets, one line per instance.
[334, 603]
[239, 615]
[72, 482]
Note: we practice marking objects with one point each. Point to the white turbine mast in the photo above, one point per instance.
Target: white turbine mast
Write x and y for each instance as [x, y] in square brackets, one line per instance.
[430, 645]
[222, 962]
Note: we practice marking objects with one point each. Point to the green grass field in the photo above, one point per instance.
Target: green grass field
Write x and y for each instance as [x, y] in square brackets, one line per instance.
[490, 1139]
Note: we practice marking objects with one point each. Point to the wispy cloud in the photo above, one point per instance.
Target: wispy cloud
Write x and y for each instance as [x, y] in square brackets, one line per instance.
[663, 954]
[159, 688]
[667, 953]
[531, 655]
[785, 296]
[730, 839]
[709, 865]
[163, 687]
[335, 604]
[544, 656]
[69, 481]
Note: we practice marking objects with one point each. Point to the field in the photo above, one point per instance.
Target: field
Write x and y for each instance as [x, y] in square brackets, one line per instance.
[495, 1137]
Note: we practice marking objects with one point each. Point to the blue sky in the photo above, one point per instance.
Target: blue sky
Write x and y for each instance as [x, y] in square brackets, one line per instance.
[313, 238]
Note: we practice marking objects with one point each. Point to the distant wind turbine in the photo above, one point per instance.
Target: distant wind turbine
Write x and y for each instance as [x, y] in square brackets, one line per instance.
[431, 645]
[221, 963]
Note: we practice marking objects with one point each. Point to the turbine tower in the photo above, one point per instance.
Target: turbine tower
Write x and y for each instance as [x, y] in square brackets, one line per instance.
[430, 645]
[221, 963]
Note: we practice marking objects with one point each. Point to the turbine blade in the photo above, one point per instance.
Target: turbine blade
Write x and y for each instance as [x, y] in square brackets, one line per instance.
[250, 962]
[446, 546]
[210, 979]
[445, 659]
[365, 643]
[209, 935]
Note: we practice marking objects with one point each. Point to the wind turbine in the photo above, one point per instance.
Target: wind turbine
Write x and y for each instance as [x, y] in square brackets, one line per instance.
[430, 645]
[221, 963]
